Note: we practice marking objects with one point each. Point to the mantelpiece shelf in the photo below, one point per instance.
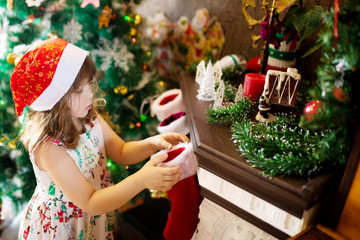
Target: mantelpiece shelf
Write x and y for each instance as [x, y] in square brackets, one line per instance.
[217, 154]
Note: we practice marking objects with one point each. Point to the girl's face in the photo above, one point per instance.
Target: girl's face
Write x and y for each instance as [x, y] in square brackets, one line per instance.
[81, 100]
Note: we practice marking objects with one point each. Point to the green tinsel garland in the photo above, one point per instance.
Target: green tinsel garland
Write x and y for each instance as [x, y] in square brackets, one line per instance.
[226, 115]
[229, 93]
[282, 148]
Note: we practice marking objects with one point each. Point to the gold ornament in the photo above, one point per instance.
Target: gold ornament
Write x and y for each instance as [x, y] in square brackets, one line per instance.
[17, 60]
[162, 83]
[3, 139]
[121, 89]
[10, 58]
[251, 3]
[12, 143]
[133, 32]
[137, 20]
[148, 53]
[131, 97]
[131, 125]
[255, 40]
[252, 22]
[105, 17]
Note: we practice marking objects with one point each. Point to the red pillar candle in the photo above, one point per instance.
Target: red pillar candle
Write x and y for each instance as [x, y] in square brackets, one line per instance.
[254, 85]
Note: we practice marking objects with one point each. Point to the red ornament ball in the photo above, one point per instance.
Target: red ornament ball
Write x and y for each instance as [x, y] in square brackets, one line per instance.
[253, 65]
[311, 109]
[340, 95]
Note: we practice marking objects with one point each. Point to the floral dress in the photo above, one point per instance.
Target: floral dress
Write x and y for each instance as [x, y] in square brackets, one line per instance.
[51, 215]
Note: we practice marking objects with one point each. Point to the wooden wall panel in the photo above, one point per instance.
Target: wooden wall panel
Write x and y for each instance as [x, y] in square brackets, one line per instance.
[349, 224]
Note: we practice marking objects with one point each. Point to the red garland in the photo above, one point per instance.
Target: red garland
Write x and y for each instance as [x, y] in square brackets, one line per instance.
[336, 13]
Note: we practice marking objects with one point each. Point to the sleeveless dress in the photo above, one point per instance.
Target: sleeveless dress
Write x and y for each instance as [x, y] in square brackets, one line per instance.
[51, 215]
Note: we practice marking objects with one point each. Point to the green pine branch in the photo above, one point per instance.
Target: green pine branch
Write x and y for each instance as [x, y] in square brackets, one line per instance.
[226, 115]
[284, 149]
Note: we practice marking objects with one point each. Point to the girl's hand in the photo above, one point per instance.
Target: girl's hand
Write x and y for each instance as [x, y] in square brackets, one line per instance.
[167, 140]
[158, 178]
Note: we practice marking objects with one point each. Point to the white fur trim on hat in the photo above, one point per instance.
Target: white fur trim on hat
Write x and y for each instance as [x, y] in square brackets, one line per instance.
[68, 67]
[186, 159]
[167, 103]
[174, 123]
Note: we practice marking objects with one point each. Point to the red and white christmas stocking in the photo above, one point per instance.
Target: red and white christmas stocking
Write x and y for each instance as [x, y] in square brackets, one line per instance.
[185, 201]
[169, 102]
[185, 195]
[174, 123]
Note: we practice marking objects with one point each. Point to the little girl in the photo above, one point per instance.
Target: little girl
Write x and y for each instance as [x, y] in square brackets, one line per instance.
[68, 142]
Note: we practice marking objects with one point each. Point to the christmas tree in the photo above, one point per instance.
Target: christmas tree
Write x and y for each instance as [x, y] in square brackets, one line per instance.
[206, 90]
[109, 31]
[336, 104]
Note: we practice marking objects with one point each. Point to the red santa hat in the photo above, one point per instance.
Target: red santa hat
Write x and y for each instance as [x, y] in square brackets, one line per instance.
[45, 73]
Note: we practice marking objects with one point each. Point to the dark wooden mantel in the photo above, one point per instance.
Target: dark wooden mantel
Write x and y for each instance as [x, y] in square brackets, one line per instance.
[218, 155]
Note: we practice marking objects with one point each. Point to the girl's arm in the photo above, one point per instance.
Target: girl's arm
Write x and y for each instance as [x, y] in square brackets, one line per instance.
[136, 151]
[58, 164]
